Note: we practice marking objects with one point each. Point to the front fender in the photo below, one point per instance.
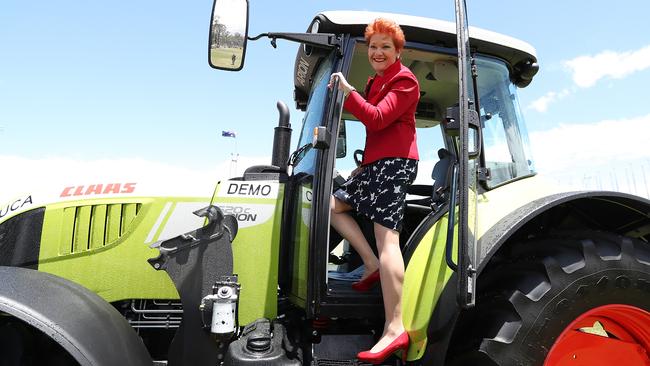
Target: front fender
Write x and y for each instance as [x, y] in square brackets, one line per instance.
[608, 211]
[86, 326]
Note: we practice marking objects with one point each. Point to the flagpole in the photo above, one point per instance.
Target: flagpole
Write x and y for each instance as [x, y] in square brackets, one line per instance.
[234, 156]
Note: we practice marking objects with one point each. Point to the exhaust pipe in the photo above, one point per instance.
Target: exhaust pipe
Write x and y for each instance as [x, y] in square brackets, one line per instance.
[282, 138]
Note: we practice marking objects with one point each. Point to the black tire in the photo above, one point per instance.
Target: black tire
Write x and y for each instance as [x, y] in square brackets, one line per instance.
[23, 345]
[531, 293]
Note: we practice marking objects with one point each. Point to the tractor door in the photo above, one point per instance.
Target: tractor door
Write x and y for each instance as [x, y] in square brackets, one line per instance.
[310, 188]
[335, 264]
[314, 177]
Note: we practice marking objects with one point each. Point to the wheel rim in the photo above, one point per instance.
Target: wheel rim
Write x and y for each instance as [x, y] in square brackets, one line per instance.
[624, 338]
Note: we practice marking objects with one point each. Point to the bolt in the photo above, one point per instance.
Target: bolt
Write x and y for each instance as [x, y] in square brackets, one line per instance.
[225, 292]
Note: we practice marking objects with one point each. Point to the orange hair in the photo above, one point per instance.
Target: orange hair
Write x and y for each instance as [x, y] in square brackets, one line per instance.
[389, 27]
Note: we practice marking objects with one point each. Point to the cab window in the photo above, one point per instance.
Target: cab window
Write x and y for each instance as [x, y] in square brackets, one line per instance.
[438, 77]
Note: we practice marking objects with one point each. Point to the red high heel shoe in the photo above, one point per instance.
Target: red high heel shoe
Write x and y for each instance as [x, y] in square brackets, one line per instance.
[366, 283]
[399, 345]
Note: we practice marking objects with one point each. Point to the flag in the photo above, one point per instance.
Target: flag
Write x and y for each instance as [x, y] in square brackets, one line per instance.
[228, 134]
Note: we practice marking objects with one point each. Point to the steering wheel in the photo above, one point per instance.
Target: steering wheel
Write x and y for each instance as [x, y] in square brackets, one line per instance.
[338, 179]
[358, 157]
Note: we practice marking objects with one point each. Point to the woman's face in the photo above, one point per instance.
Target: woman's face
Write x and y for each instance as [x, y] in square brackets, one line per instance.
[381, 52]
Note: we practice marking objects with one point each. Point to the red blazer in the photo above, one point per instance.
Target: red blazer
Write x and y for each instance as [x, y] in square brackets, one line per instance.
[388, 114]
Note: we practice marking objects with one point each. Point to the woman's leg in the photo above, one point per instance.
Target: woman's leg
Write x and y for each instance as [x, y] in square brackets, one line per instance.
[349, 229]
[391, 269]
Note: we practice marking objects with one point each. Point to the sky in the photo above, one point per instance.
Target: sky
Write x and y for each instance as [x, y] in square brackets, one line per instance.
[93, 90]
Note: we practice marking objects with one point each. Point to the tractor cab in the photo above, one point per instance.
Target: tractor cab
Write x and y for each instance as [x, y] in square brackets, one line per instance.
[320, 261]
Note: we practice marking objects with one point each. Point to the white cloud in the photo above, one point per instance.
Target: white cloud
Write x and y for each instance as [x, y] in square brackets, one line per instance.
[587, 70]
[568, 146]
[541, 104]
[610, 153]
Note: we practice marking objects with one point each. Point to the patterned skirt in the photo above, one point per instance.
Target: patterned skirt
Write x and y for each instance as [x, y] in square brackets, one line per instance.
[379, 191]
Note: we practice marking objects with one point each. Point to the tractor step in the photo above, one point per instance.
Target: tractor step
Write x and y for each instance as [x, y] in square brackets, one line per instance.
[342, 349]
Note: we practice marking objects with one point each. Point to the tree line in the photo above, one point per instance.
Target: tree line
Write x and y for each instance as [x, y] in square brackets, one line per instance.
[223, 38]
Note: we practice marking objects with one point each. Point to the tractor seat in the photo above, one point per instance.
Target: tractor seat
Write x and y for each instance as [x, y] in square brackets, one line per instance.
[435, 195]
[438, 193]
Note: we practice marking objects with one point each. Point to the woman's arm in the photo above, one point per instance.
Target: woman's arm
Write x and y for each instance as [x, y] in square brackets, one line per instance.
[399, 99]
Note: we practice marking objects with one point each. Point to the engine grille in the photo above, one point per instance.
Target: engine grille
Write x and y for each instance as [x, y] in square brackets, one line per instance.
[95, 226]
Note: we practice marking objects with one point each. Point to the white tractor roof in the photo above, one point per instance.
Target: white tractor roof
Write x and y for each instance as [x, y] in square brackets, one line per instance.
[355, 18]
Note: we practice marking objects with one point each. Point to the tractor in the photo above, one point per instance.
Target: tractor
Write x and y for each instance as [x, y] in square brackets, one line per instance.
[501, 268]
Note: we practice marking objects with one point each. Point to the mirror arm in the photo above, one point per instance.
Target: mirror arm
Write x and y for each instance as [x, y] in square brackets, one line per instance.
[257, 37]
[322, 40]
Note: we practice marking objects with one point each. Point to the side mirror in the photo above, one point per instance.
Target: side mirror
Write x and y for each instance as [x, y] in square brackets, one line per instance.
[228, 34]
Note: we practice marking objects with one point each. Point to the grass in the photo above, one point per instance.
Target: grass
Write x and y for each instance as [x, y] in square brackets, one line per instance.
[222, 57]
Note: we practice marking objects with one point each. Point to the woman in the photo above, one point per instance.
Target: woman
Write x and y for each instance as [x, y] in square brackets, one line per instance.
[377, 189]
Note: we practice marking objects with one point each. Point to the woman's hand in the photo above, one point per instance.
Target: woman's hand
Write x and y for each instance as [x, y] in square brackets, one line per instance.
[356, 171]
[343, 84]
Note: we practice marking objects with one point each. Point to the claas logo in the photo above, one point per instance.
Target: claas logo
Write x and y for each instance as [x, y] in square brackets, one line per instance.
[95, 189]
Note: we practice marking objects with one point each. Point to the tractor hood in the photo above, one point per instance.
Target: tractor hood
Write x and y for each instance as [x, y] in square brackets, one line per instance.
[92, 189]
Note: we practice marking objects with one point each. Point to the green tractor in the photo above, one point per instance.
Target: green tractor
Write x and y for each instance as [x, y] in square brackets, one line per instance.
[501, 268]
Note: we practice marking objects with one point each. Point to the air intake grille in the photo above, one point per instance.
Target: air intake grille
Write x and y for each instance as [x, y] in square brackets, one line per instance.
[92, 227]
